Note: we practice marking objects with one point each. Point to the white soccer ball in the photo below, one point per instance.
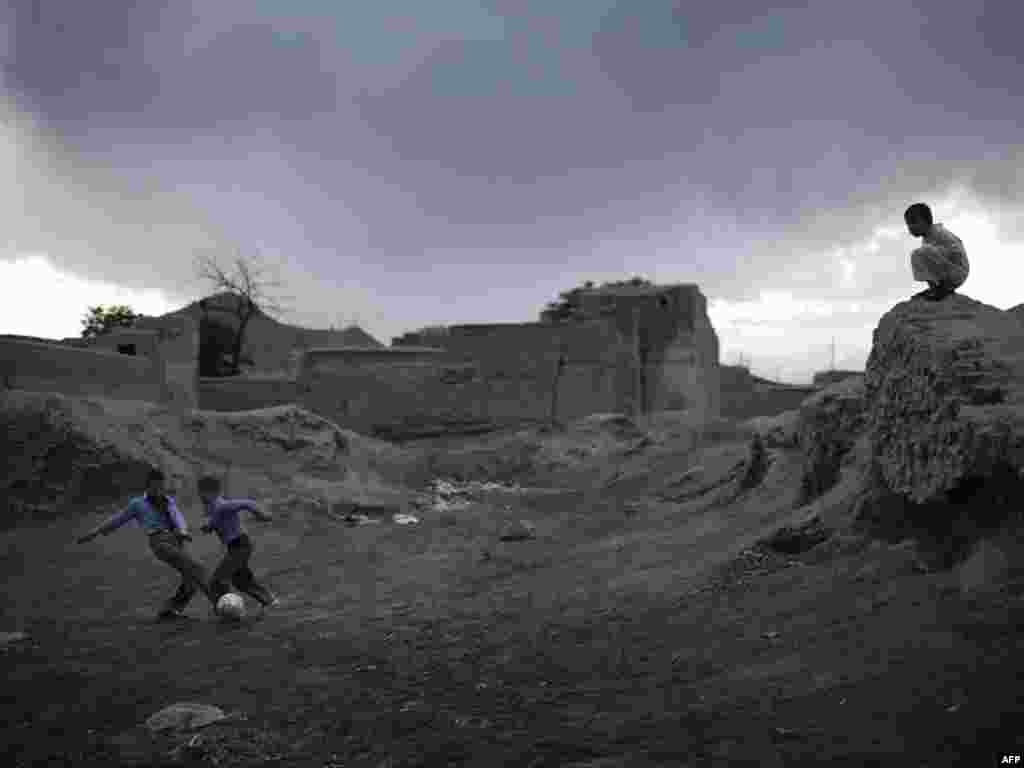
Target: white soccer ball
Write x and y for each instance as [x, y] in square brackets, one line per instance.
[231, 606]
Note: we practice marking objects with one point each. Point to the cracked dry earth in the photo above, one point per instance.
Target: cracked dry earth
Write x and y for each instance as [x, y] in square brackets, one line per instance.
[634, 630]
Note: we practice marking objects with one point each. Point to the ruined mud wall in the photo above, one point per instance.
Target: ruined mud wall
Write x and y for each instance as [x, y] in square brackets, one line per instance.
[685, 352]
[403, 390]
[651, 349]
[669, 351]
[744, 396]
[161, 366]
[655, 351]
[268, 343]
[518, 368]
[177, 349]
[243, 393]
[41, 367]
[741, 406]
[371, 390]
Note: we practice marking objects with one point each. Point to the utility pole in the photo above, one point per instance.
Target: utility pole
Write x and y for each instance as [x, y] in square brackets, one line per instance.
[832, 364]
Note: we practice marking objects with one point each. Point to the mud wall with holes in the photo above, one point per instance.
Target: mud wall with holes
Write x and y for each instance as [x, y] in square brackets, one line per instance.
[175, 349]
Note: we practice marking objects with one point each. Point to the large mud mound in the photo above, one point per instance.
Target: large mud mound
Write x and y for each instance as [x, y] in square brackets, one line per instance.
[931, 442]
[66, 455]
[944, 389]
[61, 453]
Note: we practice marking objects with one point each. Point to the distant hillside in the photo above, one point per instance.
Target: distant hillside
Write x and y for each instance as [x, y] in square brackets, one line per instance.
[270, 343]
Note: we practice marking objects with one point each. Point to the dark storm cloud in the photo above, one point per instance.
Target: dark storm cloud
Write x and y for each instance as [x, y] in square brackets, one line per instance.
[69, 60]
[144, 65]
[737, 142]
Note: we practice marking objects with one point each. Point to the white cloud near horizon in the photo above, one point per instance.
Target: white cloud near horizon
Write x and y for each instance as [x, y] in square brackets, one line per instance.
[37, 299]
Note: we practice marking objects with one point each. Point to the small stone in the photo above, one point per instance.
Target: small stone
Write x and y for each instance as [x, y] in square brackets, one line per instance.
[868, 572]
[522, 530]
[184, 716]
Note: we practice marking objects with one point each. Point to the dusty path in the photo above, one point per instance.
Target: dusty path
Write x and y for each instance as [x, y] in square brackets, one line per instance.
[647, 637]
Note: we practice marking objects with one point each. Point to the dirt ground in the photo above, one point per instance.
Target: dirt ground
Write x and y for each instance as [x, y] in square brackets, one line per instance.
[641, 627]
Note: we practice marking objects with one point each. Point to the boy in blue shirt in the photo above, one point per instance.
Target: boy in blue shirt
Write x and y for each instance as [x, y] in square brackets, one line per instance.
[157, 514]
[222, 517]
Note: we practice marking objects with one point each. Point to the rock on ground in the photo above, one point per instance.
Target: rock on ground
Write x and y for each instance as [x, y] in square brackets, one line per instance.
[521, 530]
[184, 716]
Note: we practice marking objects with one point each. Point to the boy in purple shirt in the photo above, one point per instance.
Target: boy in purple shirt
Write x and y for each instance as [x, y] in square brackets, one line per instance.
[157, 514]
[222, 518]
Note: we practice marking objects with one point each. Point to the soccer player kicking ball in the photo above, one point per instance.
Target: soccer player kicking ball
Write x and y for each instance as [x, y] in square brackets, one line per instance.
[222, 517]
[157, 514]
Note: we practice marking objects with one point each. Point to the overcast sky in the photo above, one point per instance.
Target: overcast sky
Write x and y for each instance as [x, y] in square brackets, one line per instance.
[410, 163]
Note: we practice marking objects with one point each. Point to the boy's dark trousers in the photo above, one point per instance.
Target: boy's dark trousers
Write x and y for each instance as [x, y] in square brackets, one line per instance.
[169, 547]
[234, 569]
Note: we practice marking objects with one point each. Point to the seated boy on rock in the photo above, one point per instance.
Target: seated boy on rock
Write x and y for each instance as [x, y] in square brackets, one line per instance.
[941, 261]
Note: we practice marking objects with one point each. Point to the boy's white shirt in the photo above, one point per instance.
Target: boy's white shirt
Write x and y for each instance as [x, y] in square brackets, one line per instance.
[941, 237]
[949, 246]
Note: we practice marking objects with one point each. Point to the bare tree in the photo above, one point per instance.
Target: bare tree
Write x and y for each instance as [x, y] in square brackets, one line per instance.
[248, 283]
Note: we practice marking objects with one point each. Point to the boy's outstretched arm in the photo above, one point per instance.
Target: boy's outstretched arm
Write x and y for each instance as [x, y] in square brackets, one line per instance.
[260, 513]
[111, 524]
[252, 507]
[230, 506]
